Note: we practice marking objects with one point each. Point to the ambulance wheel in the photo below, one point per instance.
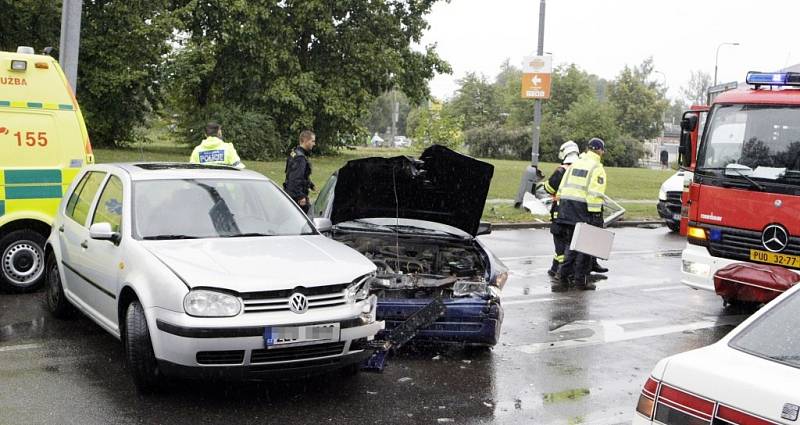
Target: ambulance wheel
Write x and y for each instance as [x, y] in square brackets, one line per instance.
[22, 261]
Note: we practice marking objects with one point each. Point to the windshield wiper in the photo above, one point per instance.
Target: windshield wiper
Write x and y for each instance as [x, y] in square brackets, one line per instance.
[164, 237]
[248, 235]
[746, 177]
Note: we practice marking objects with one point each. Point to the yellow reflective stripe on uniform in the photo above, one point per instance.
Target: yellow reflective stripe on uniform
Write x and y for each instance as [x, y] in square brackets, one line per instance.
[593, 193]
[559, 258]
[549, 188]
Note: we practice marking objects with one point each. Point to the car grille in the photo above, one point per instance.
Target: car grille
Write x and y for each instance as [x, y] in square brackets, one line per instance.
[269, 301]
[737, 243]
[220, 357]
[296, 353]
[674, 202]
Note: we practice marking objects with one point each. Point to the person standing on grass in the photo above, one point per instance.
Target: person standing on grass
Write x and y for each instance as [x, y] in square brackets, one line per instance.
[298, 171]
[213, 150]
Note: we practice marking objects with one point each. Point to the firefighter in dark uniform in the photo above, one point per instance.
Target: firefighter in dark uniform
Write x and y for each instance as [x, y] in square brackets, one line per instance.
[298, 171]
[580, 200]
[567, 153]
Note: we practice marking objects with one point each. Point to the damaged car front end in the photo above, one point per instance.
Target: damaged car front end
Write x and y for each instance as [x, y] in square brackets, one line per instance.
[417, 221]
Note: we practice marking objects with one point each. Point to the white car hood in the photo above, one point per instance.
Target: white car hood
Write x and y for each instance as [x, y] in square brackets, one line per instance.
[735, 378]
[261, 263]
[674, 183]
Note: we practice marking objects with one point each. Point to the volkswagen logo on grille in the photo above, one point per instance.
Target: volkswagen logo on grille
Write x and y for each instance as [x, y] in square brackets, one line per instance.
[298, 303]
[774, 238]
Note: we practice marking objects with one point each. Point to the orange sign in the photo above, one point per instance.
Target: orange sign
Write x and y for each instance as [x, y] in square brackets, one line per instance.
[536, 77]
[536, 86]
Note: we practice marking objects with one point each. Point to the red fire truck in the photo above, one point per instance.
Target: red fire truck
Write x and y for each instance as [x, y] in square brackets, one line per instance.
[744, 198]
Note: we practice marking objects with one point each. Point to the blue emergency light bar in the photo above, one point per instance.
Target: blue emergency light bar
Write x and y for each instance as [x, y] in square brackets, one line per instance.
[773, 78]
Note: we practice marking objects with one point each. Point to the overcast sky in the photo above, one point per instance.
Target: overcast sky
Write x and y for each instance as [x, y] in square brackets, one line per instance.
[602, 36]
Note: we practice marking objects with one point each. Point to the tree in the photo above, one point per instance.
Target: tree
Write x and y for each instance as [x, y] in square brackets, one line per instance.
[475, 102]
[696, 89]
[122, 49]
[640, 104]
[311, 64]
[434, 124]
[379, 118]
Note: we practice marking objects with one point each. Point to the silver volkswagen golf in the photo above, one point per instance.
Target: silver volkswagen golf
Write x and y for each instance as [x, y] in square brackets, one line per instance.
[207, 272]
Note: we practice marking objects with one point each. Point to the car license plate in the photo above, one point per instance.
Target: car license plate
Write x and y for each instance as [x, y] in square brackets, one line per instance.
[289, 335]
[676, 216]
[775, 258]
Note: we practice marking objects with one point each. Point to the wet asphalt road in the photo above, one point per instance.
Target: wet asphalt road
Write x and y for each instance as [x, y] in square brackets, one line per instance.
[575, 357]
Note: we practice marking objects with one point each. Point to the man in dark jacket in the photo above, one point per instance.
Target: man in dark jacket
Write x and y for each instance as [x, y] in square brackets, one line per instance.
[298, 171]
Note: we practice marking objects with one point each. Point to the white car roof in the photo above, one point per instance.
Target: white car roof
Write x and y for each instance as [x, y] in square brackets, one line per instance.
[138, 171]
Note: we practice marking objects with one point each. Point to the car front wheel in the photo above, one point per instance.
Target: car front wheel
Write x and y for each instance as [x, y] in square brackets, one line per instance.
[139, 350]
[22, 260]
[56, 301]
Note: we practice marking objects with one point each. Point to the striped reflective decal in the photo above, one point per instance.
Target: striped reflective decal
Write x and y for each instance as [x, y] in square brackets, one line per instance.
[33, 192]
[37, 105]
[32, 176]
[2, 207]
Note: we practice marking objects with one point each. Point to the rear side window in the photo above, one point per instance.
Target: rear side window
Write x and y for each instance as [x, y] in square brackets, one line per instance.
[774, 335]
[109, 206]
[81, 199]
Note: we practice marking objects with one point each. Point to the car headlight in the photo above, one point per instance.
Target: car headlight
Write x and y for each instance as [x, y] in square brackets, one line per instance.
[464, 289]
[359, 289]
[662, 194]
[204, 303]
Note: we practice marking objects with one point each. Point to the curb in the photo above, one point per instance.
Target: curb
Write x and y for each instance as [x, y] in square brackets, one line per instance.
[546, 224]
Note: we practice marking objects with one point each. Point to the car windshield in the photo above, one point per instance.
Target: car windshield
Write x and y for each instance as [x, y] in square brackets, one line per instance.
[211, 208]
[774, 335]
[754, 136]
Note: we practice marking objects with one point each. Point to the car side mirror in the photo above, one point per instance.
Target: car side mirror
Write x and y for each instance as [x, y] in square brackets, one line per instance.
[484, 228]
[103, 232]
[689, 123]
[323, 225]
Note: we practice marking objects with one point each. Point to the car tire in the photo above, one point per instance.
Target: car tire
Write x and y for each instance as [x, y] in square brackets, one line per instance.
[139, 350]
[57, 302]
[674, 226]
[22, 261]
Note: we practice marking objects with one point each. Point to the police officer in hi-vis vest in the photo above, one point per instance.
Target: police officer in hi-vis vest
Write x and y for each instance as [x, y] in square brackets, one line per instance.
[213, 150]
[580, 200]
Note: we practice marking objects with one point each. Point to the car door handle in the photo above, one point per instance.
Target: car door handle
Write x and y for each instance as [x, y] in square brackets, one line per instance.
[61, 228]
[85, 244]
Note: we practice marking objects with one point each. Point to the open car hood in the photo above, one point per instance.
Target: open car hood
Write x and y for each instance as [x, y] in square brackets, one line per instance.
[441, 186]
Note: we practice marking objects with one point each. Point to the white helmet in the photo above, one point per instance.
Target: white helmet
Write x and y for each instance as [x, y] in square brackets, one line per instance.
[568, 152]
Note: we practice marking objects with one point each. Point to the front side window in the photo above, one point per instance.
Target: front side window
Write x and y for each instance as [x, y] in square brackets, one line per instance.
[774, 335]
[211, 208]
[109, 206]
[753, 135]
[83, 195]
[321, 203]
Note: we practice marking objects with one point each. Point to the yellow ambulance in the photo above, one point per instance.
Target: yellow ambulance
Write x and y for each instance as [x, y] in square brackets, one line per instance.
[43, 145]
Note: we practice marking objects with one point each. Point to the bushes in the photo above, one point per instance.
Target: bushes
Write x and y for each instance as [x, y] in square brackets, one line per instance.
[493, 141]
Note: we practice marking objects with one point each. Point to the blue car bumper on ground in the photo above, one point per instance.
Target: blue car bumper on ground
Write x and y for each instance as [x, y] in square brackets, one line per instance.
[471, 321]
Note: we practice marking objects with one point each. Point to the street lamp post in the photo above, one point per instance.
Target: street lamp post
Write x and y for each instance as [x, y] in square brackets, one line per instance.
[716, 60]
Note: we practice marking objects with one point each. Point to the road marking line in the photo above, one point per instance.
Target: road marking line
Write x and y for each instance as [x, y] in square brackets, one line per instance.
[666, 288]
[608, 331]
[528, 301]
[533, 257]
[20, 347]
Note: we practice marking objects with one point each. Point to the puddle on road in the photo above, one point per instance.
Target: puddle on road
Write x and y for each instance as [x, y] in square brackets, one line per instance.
[568, 395]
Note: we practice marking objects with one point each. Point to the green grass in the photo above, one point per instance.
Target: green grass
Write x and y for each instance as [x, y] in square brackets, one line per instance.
[623, 183]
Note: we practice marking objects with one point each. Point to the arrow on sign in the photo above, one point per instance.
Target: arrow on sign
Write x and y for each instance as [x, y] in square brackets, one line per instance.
[536, 81]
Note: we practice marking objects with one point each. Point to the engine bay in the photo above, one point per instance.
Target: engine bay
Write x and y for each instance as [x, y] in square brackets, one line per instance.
[413, 268]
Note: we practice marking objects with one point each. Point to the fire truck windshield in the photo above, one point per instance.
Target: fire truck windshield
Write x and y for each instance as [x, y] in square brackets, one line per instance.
[754, 136]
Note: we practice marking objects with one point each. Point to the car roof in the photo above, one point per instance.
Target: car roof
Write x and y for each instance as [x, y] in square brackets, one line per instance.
[178, 170]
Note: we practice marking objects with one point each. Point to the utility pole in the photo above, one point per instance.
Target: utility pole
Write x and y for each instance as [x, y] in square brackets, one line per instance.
[530, 176]
[70, 40]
